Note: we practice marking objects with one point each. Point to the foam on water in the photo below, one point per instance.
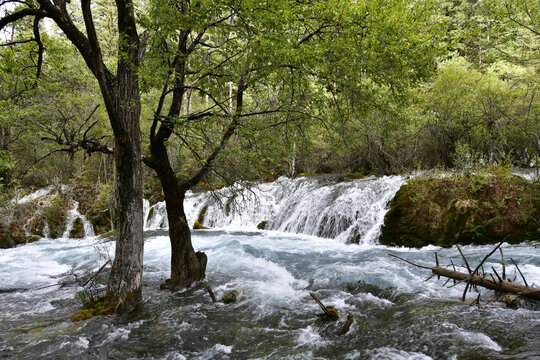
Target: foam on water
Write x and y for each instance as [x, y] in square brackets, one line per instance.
[72, 215]
[386, 353]
[397, 314]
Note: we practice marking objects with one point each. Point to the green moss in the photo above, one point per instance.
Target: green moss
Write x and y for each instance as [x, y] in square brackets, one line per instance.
[13, 234]
[198, 226]
[77, 232]
[91, 309]
[262, 225]
[230, 296]
[55, 215]
[97, 204]
[202, 214]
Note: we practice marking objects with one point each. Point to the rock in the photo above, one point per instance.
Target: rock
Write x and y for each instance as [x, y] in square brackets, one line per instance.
[462, 210]
[230, 296]
[12, 235]
[262, 225]
[56, 214]
[198, 226]
[202, 214]
[77, 232]
[98, 205]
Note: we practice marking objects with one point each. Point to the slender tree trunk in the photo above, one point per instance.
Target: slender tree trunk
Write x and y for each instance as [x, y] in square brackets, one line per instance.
[187, 266]
[5, 140]
[125, 282]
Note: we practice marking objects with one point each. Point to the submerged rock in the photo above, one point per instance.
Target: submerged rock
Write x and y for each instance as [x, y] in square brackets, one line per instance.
[463, 210]
[230, 296]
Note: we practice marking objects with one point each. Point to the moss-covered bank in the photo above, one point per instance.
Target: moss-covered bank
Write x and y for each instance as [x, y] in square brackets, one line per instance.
[468, 209]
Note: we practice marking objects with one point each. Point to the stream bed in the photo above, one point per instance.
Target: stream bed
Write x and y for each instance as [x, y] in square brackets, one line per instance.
[397, 314]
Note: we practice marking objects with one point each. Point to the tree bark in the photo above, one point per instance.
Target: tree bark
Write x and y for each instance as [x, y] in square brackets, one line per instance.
[122, 100]
[187, 266]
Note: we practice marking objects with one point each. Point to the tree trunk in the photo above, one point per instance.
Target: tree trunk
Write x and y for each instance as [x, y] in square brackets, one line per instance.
[187, 266]
[5, 139]
[124, 287]
[125, 281]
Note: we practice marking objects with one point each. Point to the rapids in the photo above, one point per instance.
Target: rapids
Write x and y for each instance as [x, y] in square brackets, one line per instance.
[397, 315]
[308, 248]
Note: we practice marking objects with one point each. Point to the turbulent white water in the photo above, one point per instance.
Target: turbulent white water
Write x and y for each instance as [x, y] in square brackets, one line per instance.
[350, 211]
[72, 215]
[397, 314]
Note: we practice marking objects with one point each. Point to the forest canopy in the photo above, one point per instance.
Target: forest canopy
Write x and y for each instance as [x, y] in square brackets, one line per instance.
[333, 86]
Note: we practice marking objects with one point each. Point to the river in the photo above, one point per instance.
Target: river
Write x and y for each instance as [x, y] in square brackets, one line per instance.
[397, 314]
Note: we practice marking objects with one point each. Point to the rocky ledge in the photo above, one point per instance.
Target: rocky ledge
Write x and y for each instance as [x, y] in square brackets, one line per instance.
[468, 209]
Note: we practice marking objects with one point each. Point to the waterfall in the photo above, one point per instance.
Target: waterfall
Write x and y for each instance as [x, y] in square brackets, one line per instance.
[72, 216]
[350, 211]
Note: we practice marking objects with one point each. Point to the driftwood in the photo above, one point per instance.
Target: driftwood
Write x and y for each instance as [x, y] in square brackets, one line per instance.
[329, 312]
[346, 326]
[478, 277]
[210, 292]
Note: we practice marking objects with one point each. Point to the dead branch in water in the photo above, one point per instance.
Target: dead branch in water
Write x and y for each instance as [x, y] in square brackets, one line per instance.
[473, 278]
[329, 312]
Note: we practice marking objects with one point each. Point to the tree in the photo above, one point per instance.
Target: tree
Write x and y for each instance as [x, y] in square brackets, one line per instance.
[121, 95]
[256, 67]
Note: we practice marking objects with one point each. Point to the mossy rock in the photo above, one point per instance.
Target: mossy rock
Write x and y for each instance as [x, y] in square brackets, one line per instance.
[98, 205]
[202, 214]
[56, 214]
[77, 232]
[12, 235]
[462, 210]
[262, 225]
[230, 296]
[198, 226]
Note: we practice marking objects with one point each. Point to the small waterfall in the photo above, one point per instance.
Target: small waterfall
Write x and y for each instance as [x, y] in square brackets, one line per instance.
[72, 216]
[350, 211]
[33, 196]
[155, 216]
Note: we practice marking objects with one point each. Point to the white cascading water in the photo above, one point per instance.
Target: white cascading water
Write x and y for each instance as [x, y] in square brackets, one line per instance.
[47, 194]
[72, 216]
[350, 211]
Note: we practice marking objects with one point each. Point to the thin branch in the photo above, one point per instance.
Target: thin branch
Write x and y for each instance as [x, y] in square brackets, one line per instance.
[477, 268]
[520, 273]
[37, 37]
[18, 42]
[464, 259]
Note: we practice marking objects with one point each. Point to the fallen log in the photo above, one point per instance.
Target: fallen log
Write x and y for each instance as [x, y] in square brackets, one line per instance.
[473, 278]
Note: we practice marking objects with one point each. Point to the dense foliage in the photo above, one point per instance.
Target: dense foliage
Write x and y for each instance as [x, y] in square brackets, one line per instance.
[330, 86]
